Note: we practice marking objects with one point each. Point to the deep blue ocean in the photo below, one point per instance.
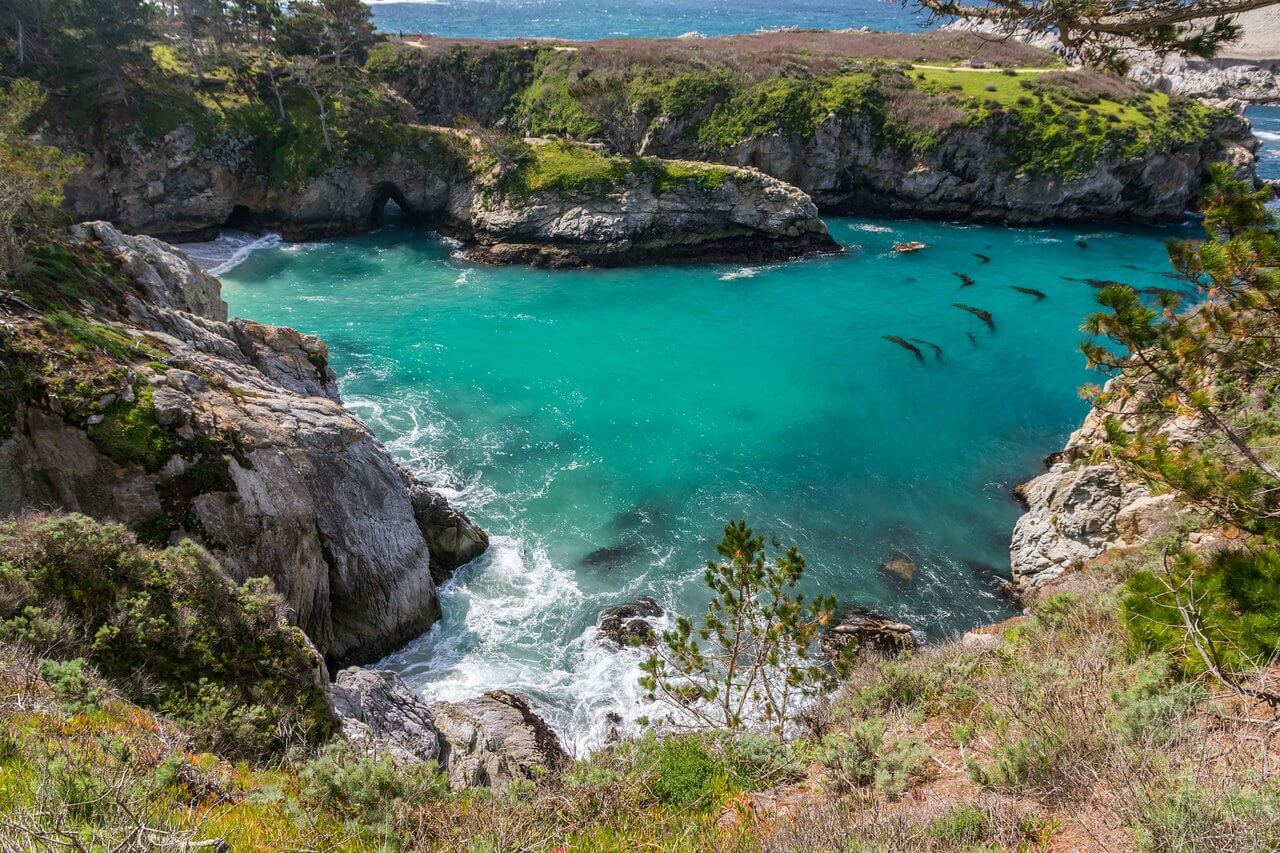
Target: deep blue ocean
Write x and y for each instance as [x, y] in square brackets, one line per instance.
[592, 19]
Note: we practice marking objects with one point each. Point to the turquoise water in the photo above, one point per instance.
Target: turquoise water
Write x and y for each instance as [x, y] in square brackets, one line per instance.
[1266, 126]
[592, 19]
[603, 425]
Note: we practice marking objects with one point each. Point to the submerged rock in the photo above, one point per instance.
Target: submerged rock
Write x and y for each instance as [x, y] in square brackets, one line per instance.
[899, 568]
[868, 631]
[381, 715]
[628, 624]
[493, 739]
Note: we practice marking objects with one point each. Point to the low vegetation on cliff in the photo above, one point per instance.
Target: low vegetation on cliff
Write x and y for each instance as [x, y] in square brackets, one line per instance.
[910, 90]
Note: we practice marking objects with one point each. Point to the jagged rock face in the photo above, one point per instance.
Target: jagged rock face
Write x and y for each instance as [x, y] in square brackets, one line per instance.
[1077, 510]
[382, 716]
[846, 170]
[748, 216]
[452, 538]
[1211, 79]
[493, 739]
[869, 632]
[258, 461]
[176, 190]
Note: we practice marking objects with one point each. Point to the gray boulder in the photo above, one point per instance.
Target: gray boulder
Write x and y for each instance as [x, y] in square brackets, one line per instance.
[381, 715]
[493, 739]
[452, 538]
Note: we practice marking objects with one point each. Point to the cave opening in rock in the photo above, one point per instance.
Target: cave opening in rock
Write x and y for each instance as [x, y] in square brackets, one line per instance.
[389, 206]
[241, 219]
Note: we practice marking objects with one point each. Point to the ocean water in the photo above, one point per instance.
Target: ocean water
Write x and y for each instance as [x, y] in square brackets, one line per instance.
[603, 425]
[1266, 126]
[593, 19]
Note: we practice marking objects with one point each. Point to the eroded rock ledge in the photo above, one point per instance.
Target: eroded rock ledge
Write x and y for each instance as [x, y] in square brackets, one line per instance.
[139, 401]
[561, 205]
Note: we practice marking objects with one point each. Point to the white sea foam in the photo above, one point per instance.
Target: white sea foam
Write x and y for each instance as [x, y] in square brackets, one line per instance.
[228, 250]
[871, 227]
[1267, 135]
[744, 272]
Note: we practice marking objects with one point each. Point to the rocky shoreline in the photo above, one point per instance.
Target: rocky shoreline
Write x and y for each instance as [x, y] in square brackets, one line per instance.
[186, 424]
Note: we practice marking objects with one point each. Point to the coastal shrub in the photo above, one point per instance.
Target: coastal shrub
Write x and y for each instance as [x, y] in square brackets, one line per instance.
[75, 690]
[859, 756]
[964, 826]
[901, 766]
[759, 760]
[686, 772]
[166, 628]
[853, 756]
[1192, 818]
[367, 787]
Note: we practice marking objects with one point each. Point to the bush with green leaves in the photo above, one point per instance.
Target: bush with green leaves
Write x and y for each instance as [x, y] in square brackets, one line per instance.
[859, 757]
[687, 772]
[1190, 818]
[166, 628]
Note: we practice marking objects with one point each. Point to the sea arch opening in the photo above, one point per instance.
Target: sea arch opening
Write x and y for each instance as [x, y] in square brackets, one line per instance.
[389, 205]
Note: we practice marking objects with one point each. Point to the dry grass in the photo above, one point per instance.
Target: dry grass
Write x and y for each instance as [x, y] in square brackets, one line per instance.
[765, 55]
[1091, 84]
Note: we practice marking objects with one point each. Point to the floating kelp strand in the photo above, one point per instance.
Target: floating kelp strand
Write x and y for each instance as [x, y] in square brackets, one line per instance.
[937, 350]
[981, 313]
[905, 344]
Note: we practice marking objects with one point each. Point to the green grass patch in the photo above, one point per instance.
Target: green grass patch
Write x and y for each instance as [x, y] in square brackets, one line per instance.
[130, 434]
[564, 167]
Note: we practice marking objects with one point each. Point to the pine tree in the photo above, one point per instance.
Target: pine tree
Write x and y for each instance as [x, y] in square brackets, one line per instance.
[750, 661]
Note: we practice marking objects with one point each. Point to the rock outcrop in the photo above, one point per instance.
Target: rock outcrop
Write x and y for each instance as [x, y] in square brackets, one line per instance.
[741, 215]
[382, 716]
[629, 624]
[846, 170]
[439, 178]
[494, 739]
[1078, 509]
[154, 410]
[453, 539]
[867, 631]
[978, 163]
[1211, 79]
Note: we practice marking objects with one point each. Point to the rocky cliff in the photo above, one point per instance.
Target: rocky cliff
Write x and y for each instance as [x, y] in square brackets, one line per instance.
[883, 128]
[1082, 506]
[558, 205]
[127, 394]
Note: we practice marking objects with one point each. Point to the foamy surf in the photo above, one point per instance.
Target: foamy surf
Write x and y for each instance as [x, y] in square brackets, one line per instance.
[228, 250]
[744, 272]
